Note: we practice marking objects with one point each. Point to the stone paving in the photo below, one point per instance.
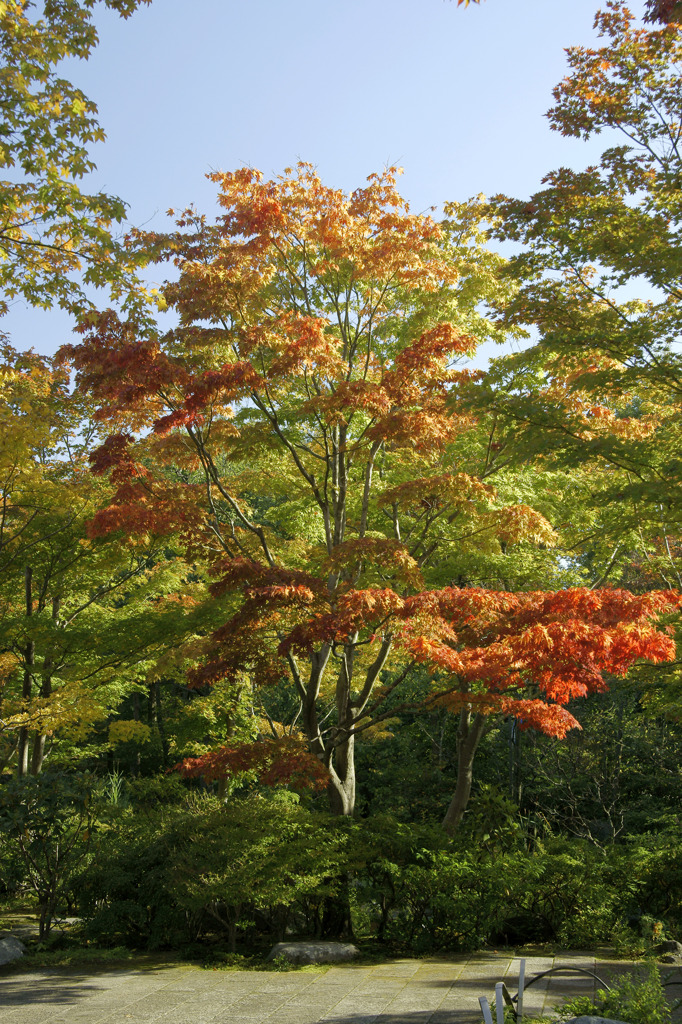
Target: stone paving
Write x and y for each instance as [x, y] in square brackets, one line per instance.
[429, 991]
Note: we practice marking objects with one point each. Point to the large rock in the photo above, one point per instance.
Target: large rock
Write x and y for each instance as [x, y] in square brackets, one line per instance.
[594, 1020]
[10, 949]
[669, 946]
[669, 952]
[314, 952]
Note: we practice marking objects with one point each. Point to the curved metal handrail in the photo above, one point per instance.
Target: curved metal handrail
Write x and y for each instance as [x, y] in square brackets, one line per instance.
[573, 970]
[502, 992]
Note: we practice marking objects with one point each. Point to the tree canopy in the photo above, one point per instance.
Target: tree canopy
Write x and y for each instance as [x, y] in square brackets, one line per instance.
[305, 427]
[294, 555]
[602, 383]
[665, 11]
[55, 238]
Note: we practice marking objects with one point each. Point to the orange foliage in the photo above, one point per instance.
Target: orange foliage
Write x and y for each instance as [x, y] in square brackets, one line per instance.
[455, 489]
[489, 647]
[142, 505]
[664, 11]
[302, 370]
[348, 558]
[276, 762]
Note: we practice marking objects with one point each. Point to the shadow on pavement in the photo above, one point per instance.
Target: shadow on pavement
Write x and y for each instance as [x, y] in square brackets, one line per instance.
[139, 967]
[31, 991]
[469, 1016]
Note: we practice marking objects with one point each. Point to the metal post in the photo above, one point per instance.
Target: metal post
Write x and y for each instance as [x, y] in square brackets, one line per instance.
[499, 1002]
[522, 982]
[485, 1009]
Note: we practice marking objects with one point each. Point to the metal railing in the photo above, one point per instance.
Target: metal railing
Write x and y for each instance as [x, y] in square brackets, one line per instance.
[515, 1003]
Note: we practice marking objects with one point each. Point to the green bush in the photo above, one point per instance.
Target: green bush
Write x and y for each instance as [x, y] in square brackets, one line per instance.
[48, 821]
[656, 864]
[167, 878]
[563, 892]
[13, 875]
[172, 867]
[419, 892]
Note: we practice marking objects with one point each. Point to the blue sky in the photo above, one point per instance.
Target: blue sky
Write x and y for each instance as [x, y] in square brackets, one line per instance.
[456, 97]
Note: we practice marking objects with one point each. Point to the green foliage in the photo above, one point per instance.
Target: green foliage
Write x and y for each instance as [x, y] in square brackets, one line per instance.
[406, 766]
[52, 231]
[170, 867]
[598, 269]
[12, 871]
[147, 795]
[417, 892]
[573, 843]
[49, 820]
[619, 775]
[655, 866]
[74, 955]
[176, 873]
[83, 621]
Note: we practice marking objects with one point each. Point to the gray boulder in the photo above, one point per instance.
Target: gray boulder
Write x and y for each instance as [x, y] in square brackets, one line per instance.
[669, 952]
[594, 1020]
[314, 952]
[10, 949]
[669, 946]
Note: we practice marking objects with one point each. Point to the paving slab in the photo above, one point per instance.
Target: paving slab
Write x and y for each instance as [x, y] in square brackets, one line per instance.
[429, 991]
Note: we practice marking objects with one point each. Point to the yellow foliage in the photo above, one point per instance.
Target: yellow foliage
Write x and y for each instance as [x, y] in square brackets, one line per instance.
[124, 731]
[71, 711]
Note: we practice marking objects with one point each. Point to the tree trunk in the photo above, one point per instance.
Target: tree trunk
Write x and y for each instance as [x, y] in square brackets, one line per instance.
[336, 919]
[336, 913]
[24, 736]
[29, 660]
[341, 758]
[38, 753]
[341, 787]
[471, 728]
[136, 717]
[341, 796]
[160, 723]
[515, 779]
[232, 917]
[39, 739]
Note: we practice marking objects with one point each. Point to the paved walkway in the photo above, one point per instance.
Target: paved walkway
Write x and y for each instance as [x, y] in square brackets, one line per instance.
[431, 991]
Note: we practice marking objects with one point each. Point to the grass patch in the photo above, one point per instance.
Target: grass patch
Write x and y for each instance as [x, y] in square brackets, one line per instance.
[219, 961]
[76, 956]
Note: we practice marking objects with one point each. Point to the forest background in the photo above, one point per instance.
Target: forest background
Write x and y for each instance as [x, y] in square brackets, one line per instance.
[309, 624]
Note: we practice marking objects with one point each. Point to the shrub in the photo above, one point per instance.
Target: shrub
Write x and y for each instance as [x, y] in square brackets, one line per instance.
[49, 820]
[171, 870]
[419, 892]
[169, 877]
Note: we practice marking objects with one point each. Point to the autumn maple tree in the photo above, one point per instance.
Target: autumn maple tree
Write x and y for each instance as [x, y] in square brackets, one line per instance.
[302, 428]
[599, 393]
